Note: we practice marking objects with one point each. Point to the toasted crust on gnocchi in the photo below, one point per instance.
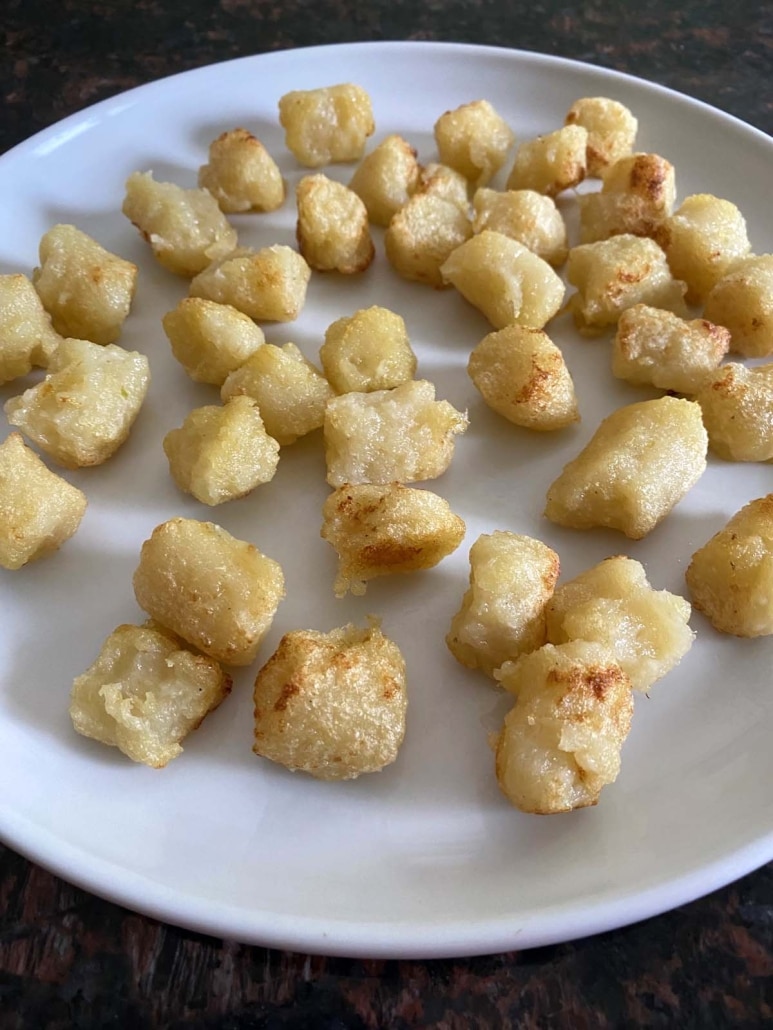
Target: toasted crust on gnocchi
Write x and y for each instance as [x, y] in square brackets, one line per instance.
[332, 227]
[241, 174]
[737, 407]
[327, 125]
[551, 164]
[269, 284]
[423, 234]
[526, 216]
[611, 130]
[638, 193]
[742, 301]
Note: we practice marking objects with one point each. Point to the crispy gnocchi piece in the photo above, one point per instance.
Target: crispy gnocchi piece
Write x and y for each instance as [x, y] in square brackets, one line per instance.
[218, 593]
[561, 741]
[502, 614]
[87, 290]
[742, 301]
[474, 140]
[332, 228]
[145, 693]
[27, 338]
[386, 179]
[522, 375]
[611, 130]
[639, 463]
[368, 351]
[221, 453]
[332, 704]
[186, 229]
[402, 435]
[328, 125]
[730, 578]
[269, 284]
[551, 164]
[638, 193]
[504, 280]
[617, 273]
[653, 347]
[210, 340]
[423, 234]
[704, 238]
[526, 216]
[290, 392]
[613, 604]
[85, 407]
[737, 406]
[241, 174]
[39, 510]
[444, 182]
[381, 529]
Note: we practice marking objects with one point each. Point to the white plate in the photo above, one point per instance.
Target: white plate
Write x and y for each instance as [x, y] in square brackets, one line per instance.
[426, 858]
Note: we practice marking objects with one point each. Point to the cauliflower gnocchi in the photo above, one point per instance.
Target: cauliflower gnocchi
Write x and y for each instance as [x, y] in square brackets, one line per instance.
[551, 164]
[446, 183]
[561, 741]
[269, 284]
[423, 234]
[401, 435]
[145, 693]
[742, 301]
[502, 614]
[386, 179]
[640, 462]
[218, 593]
[39, 510]
[241, 174]
[222, 453]
[381, 529]
[85, 407]
[367, 351]
[27, 338]
[737, 406]
[210, 340]
[611, 131]
[645, 630]
[473, 140]
[637, 195]
[526, 216]
[332, 229]
[522, 375]
[186, 229]
[328, 125]
[332, 704]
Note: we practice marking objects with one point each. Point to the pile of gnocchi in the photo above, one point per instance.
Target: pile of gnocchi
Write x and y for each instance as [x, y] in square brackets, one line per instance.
[333, 705]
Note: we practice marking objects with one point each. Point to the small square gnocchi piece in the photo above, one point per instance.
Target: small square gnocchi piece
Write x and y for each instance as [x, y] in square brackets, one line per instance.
[241, 174]
[617, 273]
[742, 301]
[85, 407]
[27, 338]
[402, 435]
[653, 347]
[611, 130]
[386, 179]
[637, 195]
[269, 284]
[332, 229]
[639, 463]
[222, 453]
[502, 614]
[332, 704]
[39, 510]
[368, 351]
[522, 375]
[561, 741]
[504, 280]
[446, 183]
[218, 593]
[327, 125]
[185, 228]
[551, 164]
[474, 140]
[423, 234]
[381, 529]
[526, 216]
[613, 604]
[145, 693]
[737, 406]
[210, 340]
[87, 290]
[290, 392]
[730, 578]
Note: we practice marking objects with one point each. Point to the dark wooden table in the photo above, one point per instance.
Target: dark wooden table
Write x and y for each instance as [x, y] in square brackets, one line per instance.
[68, 959]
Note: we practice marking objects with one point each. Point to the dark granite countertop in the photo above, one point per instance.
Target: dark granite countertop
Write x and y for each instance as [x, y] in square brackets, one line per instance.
[68, 959]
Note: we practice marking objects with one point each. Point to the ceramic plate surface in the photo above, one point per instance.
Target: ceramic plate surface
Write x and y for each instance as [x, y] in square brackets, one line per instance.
[426, 858]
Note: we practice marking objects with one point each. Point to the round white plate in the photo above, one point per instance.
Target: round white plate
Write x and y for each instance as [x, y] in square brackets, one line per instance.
[426, 858]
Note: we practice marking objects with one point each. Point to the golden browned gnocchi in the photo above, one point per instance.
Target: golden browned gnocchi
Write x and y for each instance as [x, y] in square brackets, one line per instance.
[85, 407]
[327, 125]
[742, 301]
[332, 704]
[367, 351]
[502, 614]
[611, 130]
[241, 174]
[381, 529]
[423, 234]
[551, 164]
[638, 193]
[210, 340]
[561, 741]
[218, 593]
[186, 229]
[39, 510]
[446, 183]
[145, 693]
[474, 140]
[269, 284]
[639, 463]
[27, 338]
[332, 229]
[737, 406]
[526, 216]
[386, 179]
